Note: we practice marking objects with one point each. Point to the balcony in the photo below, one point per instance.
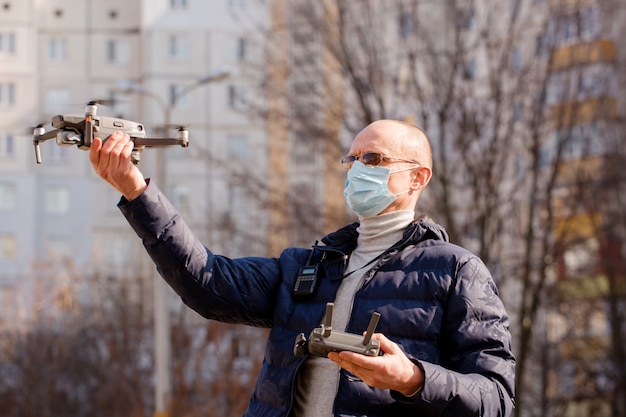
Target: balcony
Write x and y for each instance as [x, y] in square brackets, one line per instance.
[565, 57]
[582, 112]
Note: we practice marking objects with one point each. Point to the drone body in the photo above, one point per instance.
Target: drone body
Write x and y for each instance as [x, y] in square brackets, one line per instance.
[80, 130]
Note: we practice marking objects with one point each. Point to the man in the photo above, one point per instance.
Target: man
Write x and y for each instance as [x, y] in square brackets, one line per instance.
[443, 330]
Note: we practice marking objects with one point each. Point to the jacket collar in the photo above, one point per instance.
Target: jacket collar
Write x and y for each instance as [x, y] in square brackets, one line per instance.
[344, 240]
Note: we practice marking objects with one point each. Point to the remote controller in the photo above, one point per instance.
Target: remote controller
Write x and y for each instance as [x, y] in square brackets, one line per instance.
[323, 339]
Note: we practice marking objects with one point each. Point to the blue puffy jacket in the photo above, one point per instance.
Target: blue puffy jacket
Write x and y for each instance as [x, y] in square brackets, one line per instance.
[437, 300]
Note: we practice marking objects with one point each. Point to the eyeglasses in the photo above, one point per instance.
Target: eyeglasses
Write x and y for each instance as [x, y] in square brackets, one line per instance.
[370, 158]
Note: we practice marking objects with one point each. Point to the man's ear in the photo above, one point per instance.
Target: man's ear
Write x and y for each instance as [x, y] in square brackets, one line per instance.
[420, 178]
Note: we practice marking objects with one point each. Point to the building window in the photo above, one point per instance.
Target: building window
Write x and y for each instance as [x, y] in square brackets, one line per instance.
[237, 97]
[7, 43]
[516, 60]
[305, 87]
[178, 4]
[517, 112]
[181, 197]
[57, 100]
[238, 149]
[7, 94]
[303, 59]
[303, 37]
[8, 246]
[237, 4]
[465, 18]
[59, 246]
[405, 24]
[118, 251]
[7, 146]
[306, 150]
[8, 198]
[514, 6]
[176, 96]
[57, 200]
[241, 48]
[237, 200]
[55, 153]
[590, 85]
[580, 141]
[542, 44]
[546, 156]
[7, 301]
[57, 50]
[118, 52]
[469, 70]
[576, 26]
[520, 167]
[590, 26]
[178, 47]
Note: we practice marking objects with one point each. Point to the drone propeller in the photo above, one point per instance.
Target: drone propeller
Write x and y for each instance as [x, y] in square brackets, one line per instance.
[104, 102]
[174, 126]
[29, 129]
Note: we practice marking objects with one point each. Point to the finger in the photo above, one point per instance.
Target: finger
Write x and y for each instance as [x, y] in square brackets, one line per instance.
[113, 149]
[386, 345]
[343, 359]
[125, 154]
[355, 362]
[113, 140]
[104, 153]
[118, 145]
[94, 151]
[115, 137]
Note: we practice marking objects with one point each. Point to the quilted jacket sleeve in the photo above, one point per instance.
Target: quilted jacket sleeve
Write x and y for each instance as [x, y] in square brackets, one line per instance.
[219, 288]
[476, 376]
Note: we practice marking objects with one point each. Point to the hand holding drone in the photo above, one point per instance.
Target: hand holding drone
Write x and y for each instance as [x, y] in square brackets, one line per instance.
[80, 130]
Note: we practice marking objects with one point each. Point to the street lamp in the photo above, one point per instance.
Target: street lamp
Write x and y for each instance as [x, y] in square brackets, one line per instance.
[129, 87]
[215, 76]
[163, 388]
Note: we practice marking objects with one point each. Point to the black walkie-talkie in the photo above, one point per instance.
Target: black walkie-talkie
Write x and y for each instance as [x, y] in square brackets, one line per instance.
[306, 282]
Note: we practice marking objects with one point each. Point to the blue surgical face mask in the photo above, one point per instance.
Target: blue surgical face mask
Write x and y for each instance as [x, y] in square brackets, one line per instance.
[366, 192]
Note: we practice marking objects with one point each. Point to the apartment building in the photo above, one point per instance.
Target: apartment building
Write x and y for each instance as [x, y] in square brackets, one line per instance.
[305, 97]
[148, 61]
[19, 106]
[565, 117]
[585, 325]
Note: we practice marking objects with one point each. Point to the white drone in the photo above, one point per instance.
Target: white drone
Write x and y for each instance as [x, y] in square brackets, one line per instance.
[73, 129]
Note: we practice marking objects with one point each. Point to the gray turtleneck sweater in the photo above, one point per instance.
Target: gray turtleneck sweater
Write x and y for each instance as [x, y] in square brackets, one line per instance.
[318, 378]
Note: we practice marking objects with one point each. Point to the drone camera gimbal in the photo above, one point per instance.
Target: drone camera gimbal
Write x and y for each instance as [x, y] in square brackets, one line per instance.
[80, 130]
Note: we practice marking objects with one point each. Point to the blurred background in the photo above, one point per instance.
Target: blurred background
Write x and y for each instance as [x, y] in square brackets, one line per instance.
[523, 101]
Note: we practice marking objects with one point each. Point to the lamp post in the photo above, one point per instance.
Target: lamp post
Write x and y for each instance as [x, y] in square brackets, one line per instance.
[163, 386]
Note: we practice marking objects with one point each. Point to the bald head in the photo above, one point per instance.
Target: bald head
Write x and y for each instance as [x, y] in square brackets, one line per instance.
[399, 139]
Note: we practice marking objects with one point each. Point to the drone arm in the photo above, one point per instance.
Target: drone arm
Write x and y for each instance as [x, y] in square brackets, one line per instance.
[42, 138]
[182, 139]
[149, 142]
